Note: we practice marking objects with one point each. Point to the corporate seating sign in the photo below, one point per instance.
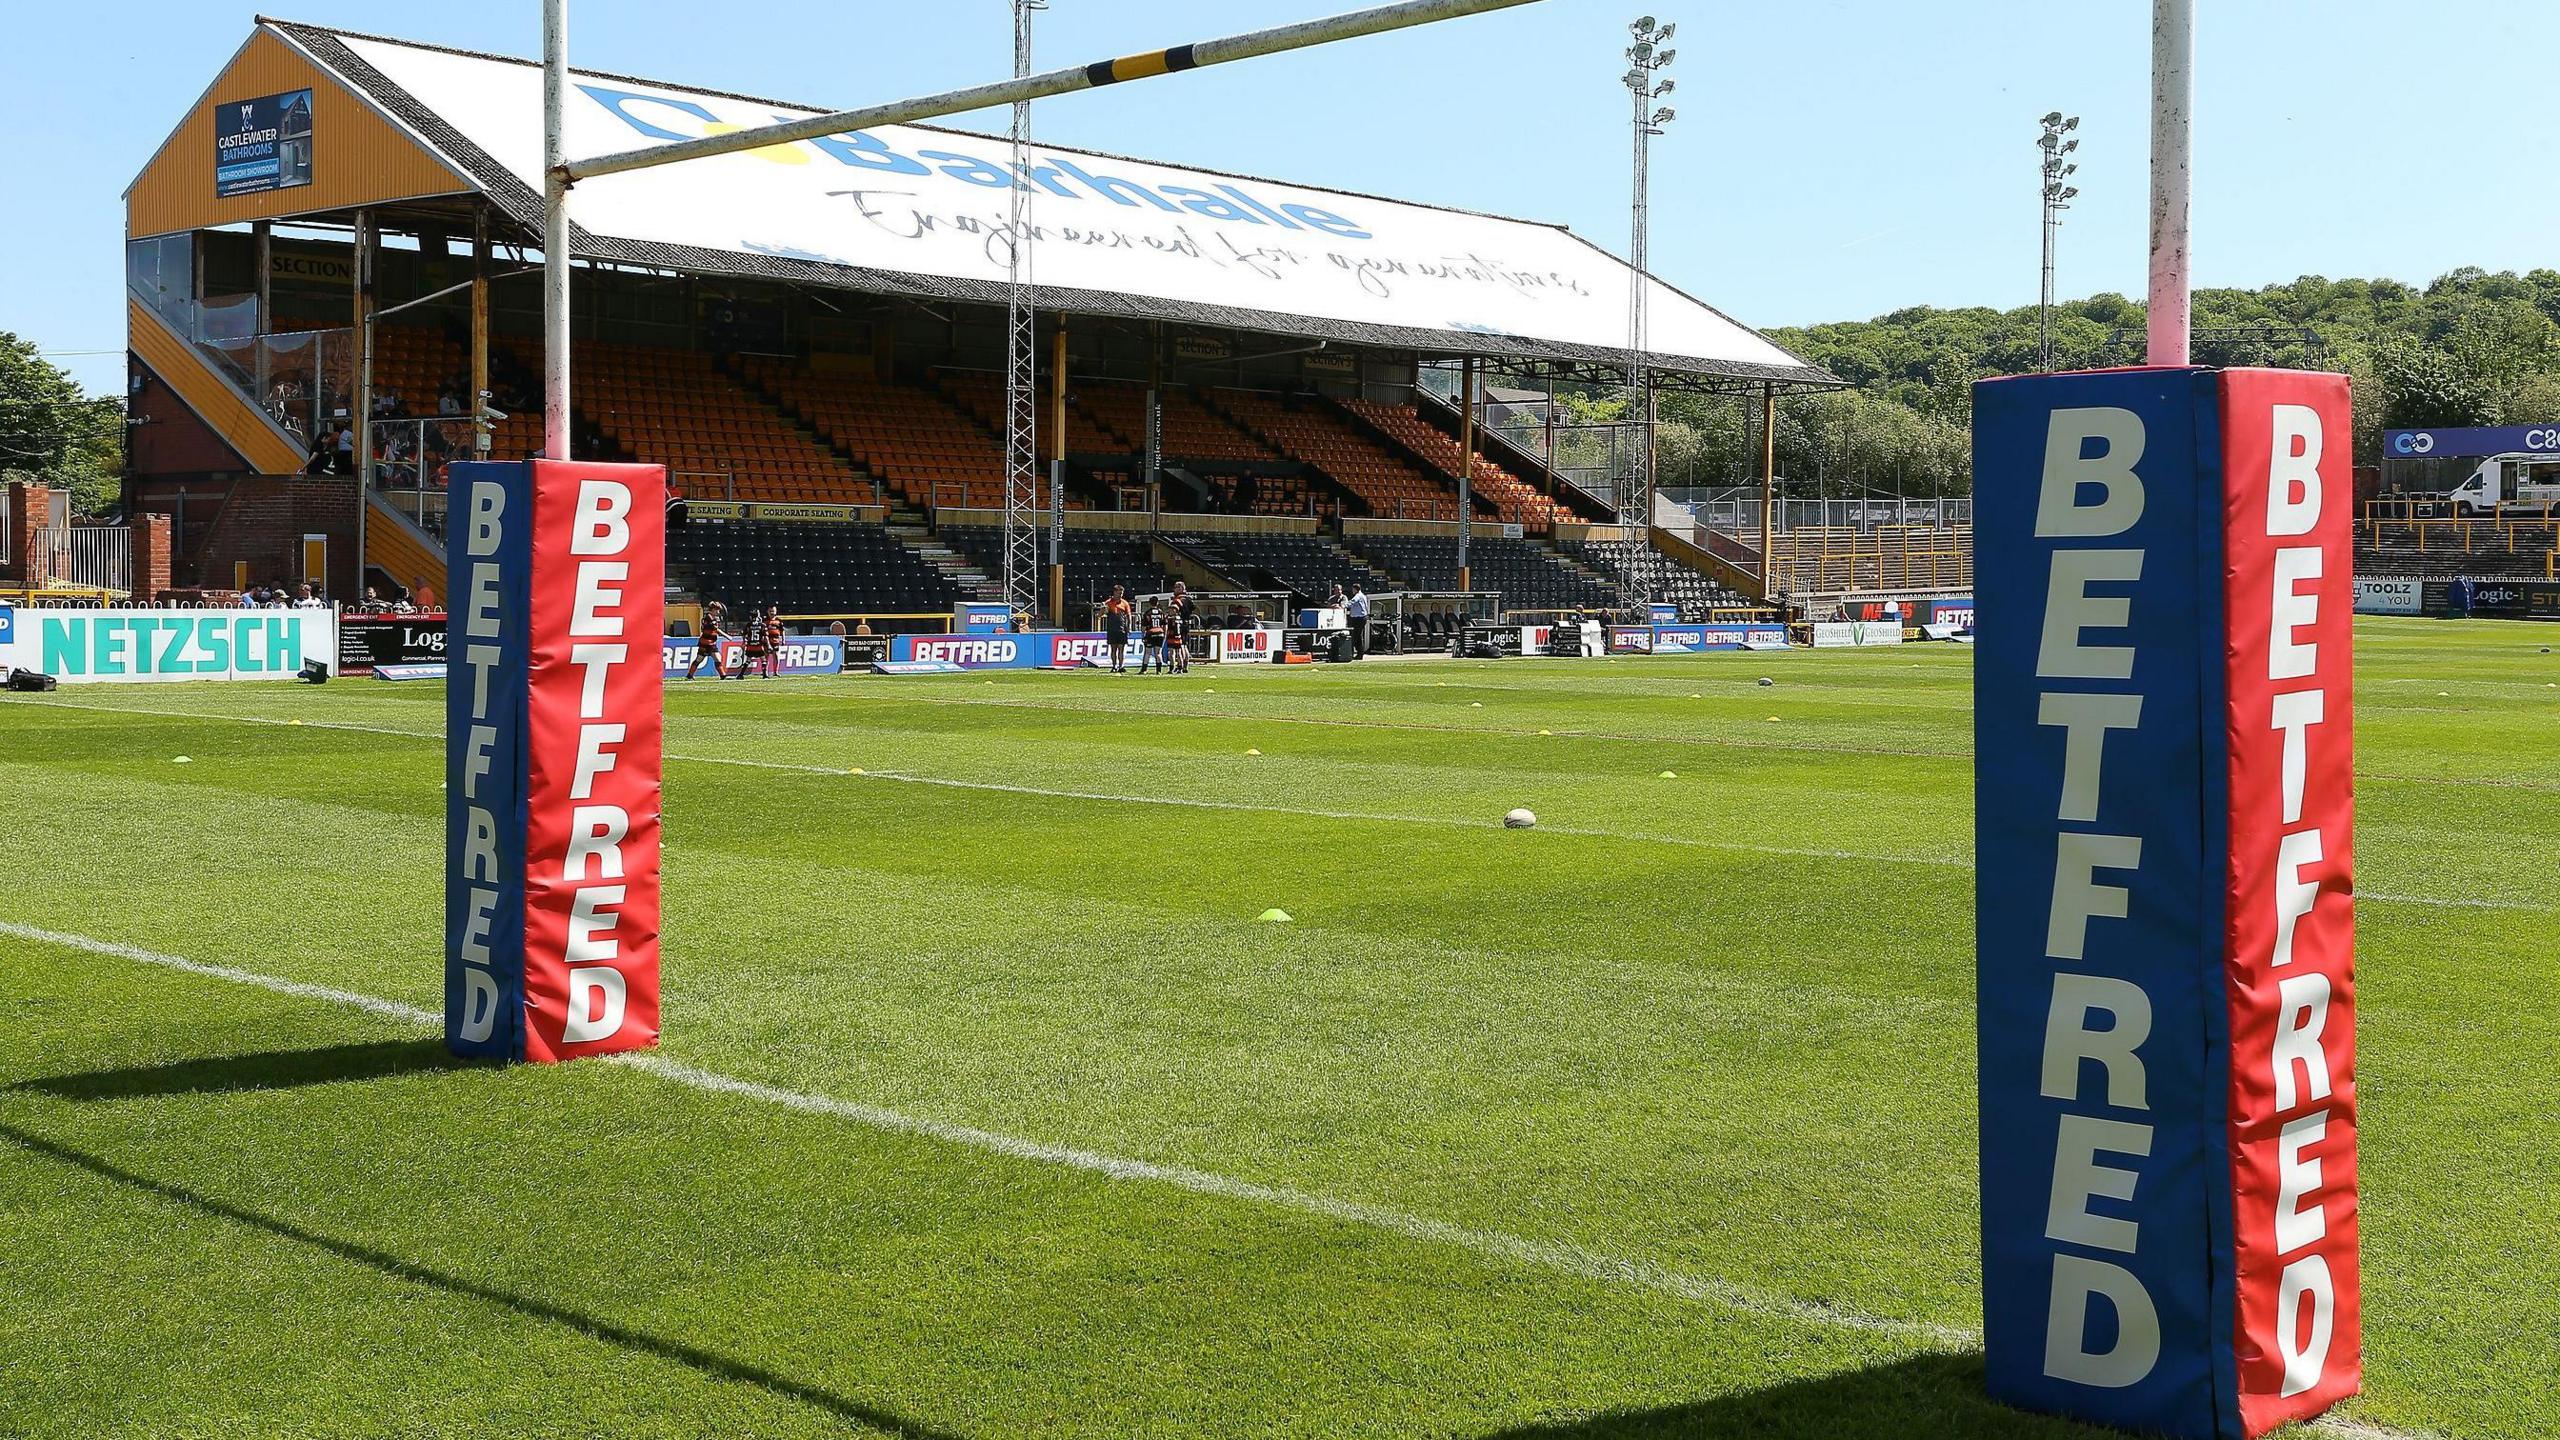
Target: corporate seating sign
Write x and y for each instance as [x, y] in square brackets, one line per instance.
[2166, 928]
[553, 719]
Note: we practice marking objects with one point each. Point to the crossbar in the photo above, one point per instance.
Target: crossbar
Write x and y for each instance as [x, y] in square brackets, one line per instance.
[559, 172]
[1197, 55]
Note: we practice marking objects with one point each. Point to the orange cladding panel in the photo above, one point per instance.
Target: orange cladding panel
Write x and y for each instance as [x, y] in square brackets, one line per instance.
[358, 156]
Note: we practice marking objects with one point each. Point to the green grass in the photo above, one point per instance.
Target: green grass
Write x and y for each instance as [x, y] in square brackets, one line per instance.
[1655, 1120]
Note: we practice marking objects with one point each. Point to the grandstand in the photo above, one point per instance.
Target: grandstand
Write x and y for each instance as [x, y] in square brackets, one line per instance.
[829, 397]
[2482, 548]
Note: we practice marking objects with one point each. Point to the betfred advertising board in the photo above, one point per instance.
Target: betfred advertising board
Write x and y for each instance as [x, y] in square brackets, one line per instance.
[2165, 926]
[1039, 650]
[801, 655]
[552, 766]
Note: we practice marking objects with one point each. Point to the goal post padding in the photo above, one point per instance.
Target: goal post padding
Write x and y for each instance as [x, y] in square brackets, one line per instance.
[2164, 896]
[553, 720]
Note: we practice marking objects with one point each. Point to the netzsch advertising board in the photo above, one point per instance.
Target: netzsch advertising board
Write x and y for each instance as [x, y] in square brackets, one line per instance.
[130, 646]
[2165, 923]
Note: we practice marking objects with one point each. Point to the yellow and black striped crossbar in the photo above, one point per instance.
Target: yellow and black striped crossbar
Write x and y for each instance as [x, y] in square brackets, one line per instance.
[1139, 67]
[1375, 21]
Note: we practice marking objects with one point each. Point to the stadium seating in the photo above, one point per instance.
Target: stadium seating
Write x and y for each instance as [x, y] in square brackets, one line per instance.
[2441, 549]
[1814, 559]
[1304, 428]
[1529, 575]
[1206, 444]
[717, 439]
[1095, 560]
[1517, 501]
[1695, 594]
[981, 395]
[1308, 565]
[930, 452]
[807, 569]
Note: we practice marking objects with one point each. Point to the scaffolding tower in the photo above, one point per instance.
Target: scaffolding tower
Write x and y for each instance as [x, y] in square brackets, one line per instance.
[1021, 382]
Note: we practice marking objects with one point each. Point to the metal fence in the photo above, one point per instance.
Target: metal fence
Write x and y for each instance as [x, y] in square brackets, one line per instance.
[5, 526]
[98, 557]
[410, 460]
[1737, 512]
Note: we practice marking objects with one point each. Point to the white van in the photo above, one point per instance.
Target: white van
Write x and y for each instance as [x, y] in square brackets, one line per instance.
[2517, 478]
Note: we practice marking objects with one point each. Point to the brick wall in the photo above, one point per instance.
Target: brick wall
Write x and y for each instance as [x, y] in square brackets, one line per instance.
[149, 536]
[30, 508]
[258, 521]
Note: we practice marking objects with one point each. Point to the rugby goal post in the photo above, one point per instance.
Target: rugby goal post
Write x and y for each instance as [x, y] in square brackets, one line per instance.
[556, 699]
[2165, 904]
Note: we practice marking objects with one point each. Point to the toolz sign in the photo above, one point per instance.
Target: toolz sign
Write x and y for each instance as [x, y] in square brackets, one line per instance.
[80, 646]
[552, 719]
[2165, 928]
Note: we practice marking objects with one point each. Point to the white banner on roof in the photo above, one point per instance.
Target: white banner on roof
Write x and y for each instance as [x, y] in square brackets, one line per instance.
[931, 202]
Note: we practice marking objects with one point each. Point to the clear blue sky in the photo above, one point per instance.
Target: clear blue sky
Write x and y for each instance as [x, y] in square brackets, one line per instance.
[1830, 161]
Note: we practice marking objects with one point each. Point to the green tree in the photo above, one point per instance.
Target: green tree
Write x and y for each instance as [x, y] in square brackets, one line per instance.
[53, 434]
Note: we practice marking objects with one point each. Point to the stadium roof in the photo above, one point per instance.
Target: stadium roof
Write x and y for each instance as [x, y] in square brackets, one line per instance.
[921, 211]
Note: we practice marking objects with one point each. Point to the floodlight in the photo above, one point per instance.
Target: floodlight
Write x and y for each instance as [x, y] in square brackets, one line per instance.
[1666, 57]
[1669, 30]
[1640, 50]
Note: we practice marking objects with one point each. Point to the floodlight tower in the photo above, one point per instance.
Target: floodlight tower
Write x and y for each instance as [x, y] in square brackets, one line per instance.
[1021, 386]
[1648, 55]
[2054, 170]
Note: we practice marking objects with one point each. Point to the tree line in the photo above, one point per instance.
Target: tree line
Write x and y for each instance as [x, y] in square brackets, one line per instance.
[2471, 348]
[52, 434]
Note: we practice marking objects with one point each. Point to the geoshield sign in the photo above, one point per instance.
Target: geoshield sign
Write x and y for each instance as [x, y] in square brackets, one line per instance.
[2165, 922]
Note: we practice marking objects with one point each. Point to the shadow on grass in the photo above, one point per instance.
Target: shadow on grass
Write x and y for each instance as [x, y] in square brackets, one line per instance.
[1936, 1396]
[268, 1070]
[716, 1366]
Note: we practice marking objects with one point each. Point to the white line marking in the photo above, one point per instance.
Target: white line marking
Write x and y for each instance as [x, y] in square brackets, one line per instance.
[370, 1004]
[2458, 902]
[1186, 802]
[1497, 1245]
